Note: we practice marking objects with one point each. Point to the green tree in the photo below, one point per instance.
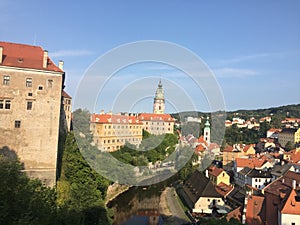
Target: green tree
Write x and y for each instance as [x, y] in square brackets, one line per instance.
[24, 201]
[289, 146]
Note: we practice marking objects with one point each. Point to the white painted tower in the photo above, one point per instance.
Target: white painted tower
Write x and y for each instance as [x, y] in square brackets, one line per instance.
[206, 133]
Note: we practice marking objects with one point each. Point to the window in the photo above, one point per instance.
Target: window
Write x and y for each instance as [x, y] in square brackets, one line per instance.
[28, 82]
[29, 105]
[40, 88]
[293, 223]
[17, 123]
[50, 83]
[6, 80]
[1, 104]
[7, 104]
[30, 94]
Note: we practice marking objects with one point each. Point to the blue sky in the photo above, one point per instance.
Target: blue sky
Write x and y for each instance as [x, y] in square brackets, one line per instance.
[252, 47]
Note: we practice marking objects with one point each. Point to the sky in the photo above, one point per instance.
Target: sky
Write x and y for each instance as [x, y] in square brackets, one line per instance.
[251, 48]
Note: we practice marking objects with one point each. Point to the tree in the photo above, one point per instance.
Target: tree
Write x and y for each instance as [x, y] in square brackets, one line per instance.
[24, 201]
[289, 146]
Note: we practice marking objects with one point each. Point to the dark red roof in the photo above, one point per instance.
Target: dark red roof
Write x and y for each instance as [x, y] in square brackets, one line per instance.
[25, 56]
[65, 94]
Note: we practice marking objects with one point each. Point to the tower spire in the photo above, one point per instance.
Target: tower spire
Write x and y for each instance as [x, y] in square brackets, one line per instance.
[159, 100]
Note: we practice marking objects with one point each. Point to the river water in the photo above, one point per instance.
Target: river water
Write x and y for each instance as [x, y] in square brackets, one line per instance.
[138, 206]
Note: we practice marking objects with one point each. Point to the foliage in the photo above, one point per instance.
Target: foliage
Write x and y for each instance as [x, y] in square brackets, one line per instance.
[160, 146]
[24, 201]
[289, 146]
[81, 191]
[234, 135]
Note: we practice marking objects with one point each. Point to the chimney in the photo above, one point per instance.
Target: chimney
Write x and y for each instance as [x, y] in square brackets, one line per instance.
[294, 184]
[101, 112]
[1, 54]
[206, 173]
[61, 64]
[45, 59]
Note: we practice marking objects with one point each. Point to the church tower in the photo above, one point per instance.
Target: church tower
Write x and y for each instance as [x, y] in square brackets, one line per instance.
[207, 131]
[159, 100]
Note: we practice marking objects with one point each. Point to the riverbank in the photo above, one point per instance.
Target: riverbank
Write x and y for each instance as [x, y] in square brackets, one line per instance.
[114, 190]
[170, 209]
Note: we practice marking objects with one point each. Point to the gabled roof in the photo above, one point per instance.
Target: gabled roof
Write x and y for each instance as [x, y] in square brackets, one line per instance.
[247, 147]
[65, 94]
[250, 162]
[215, 171]
[245, 171]
[236, 214]
[254, 173]
[292, 204]
[197, 185]
[224, 189]
[25, 56]
[254, 210]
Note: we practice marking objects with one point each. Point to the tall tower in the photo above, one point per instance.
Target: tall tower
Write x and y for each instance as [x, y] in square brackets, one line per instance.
[159, 100]
[207, 131]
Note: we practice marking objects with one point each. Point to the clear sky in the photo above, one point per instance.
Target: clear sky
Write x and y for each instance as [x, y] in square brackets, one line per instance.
[252, 47]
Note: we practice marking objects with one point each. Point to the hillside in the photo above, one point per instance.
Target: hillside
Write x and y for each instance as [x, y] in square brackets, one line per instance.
[281, 112]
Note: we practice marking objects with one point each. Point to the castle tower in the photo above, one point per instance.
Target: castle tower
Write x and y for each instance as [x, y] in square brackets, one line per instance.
[207, 131]
[159, 100]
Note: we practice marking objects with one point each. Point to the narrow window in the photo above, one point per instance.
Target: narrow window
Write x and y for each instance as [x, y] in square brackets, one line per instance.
[6, 80]
[28, 82]
[17, 123]
[1, 104]
[50, 83]
[7, 104]
[29, 105]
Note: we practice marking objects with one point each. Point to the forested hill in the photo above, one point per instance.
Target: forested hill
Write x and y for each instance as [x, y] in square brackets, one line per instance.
[281, 112]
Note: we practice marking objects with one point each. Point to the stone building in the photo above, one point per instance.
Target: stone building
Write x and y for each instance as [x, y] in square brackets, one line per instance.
[30, 105]
[67, 105]
[112, 131]
[289, 135]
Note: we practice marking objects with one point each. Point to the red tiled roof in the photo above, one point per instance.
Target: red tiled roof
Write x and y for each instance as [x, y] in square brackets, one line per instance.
[155, 117]
[65, 94]
[246, 148]
[250, 162]
[254, 210]
[236, 214]
[228, 148]
[114, 119]
[215, 171]
[25, 56]
[224, 189]
[292, 204]
[199, 148]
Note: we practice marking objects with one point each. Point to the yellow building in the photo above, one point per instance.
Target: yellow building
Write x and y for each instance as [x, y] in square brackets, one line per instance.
[30, 107]
[218, 175]
[111, 132]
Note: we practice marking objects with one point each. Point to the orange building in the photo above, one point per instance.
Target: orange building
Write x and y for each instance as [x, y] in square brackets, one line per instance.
[111, 132]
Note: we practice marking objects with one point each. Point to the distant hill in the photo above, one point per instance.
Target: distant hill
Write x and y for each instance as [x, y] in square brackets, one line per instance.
[279, 112]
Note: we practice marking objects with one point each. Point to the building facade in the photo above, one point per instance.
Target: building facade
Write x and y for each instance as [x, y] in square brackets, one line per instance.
[289, 135]
[157, 124]
[67, 104]
[30, 107]
[111, 132]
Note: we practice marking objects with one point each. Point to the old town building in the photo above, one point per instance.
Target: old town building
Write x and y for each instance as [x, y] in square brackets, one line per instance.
[30, 107]
[112, 131]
